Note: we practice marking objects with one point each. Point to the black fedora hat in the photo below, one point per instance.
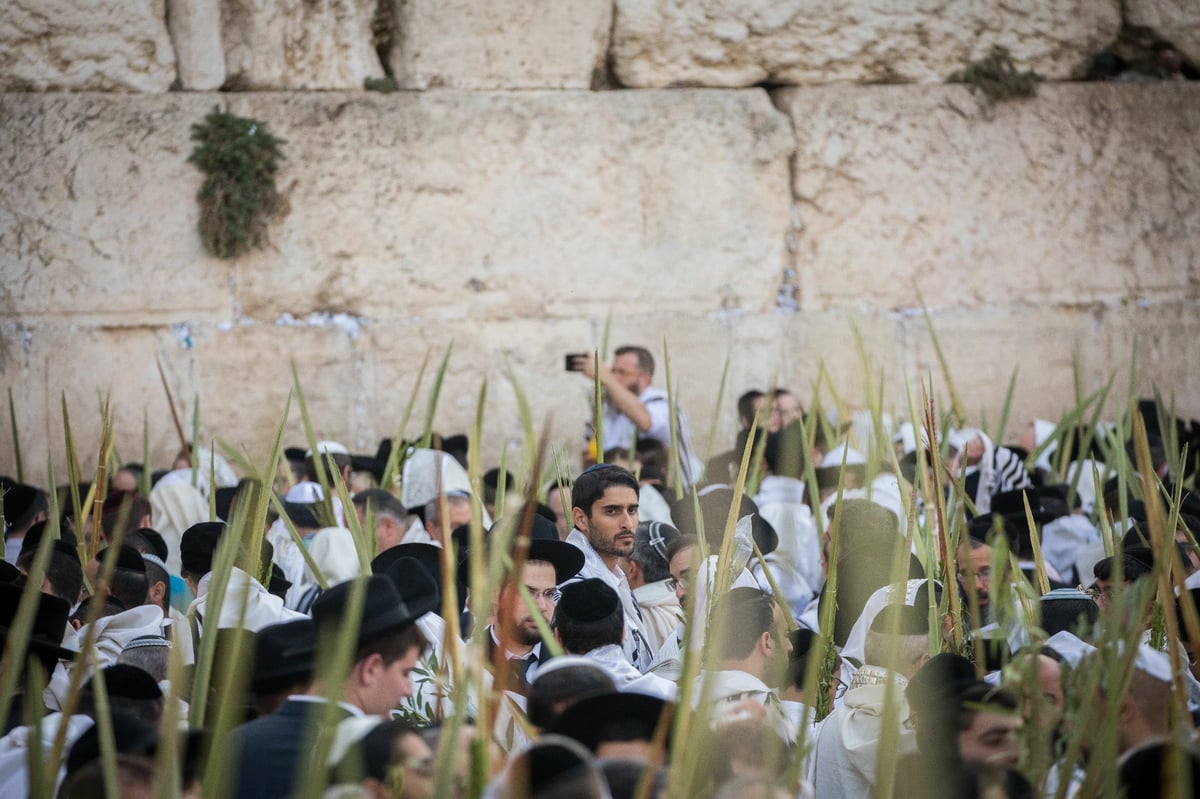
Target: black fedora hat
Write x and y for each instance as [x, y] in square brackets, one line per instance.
[544, 545]
[586, 720]
[1012, 504]
[429, 556]
[49, 621]
[416, 586]
[375, 464]
[283, 654]
[384, 610]
[714, 510]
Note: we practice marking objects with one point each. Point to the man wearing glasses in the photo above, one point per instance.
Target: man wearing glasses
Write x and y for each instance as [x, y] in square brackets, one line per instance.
[514, 631]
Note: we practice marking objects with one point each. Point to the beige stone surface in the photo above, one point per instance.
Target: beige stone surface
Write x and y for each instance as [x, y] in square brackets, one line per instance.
[298, 44]
[517, 44]
[195, 27]
[85, 45]
[744, 42]
[525, 204]
[98, 212]
[1174, 21]
[1082, 195]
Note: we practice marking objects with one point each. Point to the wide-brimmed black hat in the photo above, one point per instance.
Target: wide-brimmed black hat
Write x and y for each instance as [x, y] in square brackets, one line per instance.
[198, 545]
[384, 609]
[18, 499]
[429, 556]
[586, 720]
[714, 510]
[415, 584]
[375, 464]
[49, 621]
[1012, 504]
[283, 654]
[544, 545]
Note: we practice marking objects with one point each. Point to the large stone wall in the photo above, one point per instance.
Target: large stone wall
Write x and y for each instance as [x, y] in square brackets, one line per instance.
[153, 45]
[772, 227]
[514, 224]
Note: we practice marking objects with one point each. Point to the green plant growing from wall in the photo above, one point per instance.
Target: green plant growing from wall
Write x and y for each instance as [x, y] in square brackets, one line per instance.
[239, 158]
[995, 78]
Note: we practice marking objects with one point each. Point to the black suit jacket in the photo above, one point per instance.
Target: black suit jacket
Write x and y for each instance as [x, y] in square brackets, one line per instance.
[268, 750]
[514, 683]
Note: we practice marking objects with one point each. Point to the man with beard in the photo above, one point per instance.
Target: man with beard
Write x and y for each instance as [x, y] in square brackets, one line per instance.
[605, 512]
[514, 632]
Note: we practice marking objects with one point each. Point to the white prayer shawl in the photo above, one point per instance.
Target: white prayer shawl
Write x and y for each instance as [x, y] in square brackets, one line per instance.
[177, 629]
[629, 680]
[702, 580]
[652, 507]
[262, 607]
[847, 746]
[661, 612]
[725, 688]
[1063, 538]
[882, 597]
[636, 645]
[1000, 469]
[417, 534]
[797, 559]
[332, 549]
[668, 662]
[174, 507]
[112, 633]
[14, 752]
[307, 492]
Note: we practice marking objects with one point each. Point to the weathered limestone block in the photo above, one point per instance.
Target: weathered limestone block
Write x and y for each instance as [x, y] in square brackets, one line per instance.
[503, 45]
[500, 205]
[1175, 21]
[298, 44]
[85, 45]
[1082, 195]
[804, 42]
[100, 211]
[195, 27]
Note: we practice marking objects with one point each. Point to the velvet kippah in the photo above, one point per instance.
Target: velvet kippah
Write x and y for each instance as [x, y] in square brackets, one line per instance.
[588, 600]
[128, 559]
[197, 546]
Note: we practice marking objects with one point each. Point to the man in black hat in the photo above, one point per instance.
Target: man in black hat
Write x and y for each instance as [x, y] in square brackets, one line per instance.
[272, 750]
[44, 642]
[514, 634]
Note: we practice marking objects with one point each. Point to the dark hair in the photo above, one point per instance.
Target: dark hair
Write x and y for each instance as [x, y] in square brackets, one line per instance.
[157, 574]
[88, 781]
[392, 646]
[126, 516]
[334, 462]
[745, 405]
[63, 572]
[580, 637]
[654, 458]
[741, 617]
[1132, 569]
[564, 687]
[129, 587]
[381, 502]
[148, 541]
[1145, 772]
[40, 504]
[644, 358]
[624, 775]
[1069, 615]
[681, 543]
[981, 698]
[594, 481]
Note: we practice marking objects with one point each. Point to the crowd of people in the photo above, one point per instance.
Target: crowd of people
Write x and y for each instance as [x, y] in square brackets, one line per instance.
[832, 608]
